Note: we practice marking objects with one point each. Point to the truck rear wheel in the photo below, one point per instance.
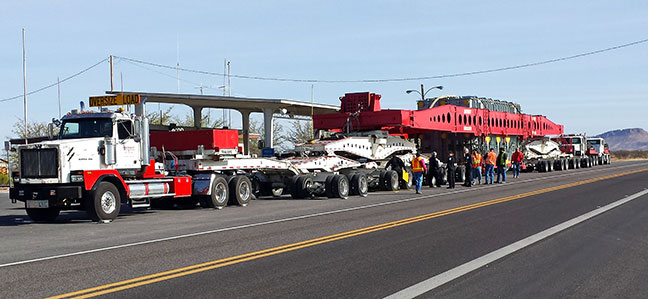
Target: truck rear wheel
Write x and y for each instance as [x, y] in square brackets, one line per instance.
[240, 190]
[104, 203]
[390, 181]
[359, 185]
[340, 186]
[43, 215]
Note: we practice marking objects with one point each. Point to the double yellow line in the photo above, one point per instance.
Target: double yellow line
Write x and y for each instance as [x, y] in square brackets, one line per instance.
[179, 272]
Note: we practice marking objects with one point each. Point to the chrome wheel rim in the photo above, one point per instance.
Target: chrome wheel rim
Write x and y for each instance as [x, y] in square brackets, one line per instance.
[108, 202]
[221, 192]
[244, 191]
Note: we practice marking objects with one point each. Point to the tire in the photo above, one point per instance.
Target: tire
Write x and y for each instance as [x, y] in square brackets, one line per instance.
[104, 202]
[240, 191]
[359, 185]
[460, 174]
[301, 187]
[219, 194]
[557, 165]
[550, 166]
[340, 186]
[391, 181]
[328, 186]
[409, 184]
[43, 215]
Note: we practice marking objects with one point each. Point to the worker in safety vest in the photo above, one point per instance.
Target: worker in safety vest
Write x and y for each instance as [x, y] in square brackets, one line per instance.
[476, 166]
[468, 167]
[489, 163]
[419, 169]
[501, 166]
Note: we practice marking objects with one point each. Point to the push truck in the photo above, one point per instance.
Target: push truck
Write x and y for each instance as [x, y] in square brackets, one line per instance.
[103, 159]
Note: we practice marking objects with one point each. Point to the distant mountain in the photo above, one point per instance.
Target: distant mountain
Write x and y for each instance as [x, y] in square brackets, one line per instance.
[626, 139]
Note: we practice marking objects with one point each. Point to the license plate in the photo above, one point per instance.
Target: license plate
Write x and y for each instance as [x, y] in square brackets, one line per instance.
[37, 204]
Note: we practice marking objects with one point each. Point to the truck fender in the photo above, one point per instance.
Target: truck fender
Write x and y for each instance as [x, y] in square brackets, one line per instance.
[92, 178]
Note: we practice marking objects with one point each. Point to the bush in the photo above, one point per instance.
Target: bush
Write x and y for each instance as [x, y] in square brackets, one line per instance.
[4, 180]
[626, 155]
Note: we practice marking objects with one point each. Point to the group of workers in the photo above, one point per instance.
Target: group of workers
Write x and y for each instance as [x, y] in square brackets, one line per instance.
[473, 163]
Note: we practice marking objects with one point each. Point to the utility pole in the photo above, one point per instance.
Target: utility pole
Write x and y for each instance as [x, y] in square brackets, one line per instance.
[112, 87]
[229, 93]
[422, 93]
[312, 110]
[24, 83]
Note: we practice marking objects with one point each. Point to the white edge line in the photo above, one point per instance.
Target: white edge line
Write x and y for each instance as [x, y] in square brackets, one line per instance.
[452, 274]
[290, 219]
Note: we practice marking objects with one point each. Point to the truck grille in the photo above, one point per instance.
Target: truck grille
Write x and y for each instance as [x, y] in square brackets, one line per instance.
[39, 163]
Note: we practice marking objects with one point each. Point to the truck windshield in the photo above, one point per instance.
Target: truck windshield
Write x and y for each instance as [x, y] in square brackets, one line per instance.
[593, 142]
[576, 140]
[86, 128]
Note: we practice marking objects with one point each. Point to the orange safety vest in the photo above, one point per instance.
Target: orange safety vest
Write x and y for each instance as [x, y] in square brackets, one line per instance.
[417, 164]
[476, 160]
[491, 157]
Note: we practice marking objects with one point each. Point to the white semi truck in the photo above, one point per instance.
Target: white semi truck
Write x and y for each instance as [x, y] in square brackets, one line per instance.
[101, 160]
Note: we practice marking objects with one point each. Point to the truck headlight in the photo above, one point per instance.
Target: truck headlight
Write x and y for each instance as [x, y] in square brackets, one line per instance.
[76, 178]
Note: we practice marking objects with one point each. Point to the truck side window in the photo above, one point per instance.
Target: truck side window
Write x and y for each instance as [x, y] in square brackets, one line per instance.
[124, 129]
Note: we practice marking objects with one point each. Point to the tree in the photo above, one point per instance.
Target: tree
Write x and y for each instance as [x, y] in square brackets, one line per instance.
[182, 121]
[299, 132]
[34, 129]
[257, 127]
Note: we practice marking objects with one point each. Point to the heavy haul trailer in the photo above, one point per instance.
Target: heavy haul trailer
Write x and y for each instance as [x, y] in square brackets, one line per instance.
[466, 123]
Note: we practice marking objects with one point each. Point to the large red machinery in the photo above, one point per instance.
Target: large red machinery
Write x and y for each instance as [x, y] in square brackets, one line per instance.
[466, 123]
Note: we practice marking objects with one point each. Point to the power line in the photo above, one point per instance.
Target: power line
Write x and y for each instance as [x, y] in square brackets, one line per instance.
[56, 83]
[519, 66]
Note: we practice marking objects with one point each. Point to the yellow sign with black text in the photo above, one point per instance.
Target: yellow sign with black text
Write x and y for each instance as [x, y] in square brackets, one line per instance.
[120, 99]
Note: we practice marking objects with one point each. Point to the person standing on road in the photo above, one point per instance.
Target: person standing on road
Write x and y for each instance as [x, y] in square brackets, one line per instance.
[468, 165]
[419, 169]
[517, 159]
[452, 166]
[476, 166]
[491, 157]
[434, 171]
[501, 166]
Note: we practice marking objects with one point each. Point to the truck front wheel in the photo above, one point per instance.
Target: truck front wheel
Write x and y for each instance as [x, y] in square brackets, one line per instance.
[43, 215]
[105, 202]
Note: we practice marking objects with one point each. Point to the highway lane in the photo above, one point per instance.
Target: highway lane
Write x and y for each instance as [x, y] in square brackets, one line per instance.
[93, 269]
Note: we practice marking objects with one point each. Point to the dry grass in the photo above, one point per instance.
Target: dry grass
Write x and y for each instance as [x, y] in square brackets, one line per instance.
[629, 155]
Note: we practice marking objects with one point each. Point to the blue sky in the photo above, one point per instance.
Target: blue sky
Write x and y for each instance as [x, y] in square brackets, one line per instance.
[338, 40]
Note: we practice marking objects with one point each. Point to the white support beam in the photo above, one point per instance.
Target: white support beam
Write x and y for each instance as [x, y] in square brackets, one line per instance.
[245, 115]
[268, 124]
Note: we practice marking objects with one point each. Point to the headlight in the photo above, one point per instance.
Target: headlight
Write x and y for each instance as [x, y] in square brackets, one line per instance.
[76, 178]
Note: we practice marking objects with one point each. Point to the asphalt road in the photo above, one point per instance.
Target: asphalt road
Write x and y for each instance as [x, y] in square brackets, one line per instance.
[360, 247]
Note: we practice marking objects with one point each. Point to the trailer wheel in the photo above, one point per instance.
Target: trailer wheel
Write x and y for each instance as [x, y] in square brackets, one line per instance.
[219, 194]
[301, 186]
[359, 185]
[105, 202]
[328, 186]
[391, 181]
[460, 174]
[43, 215]
[340, 186]
[240, 190]
[409, 184]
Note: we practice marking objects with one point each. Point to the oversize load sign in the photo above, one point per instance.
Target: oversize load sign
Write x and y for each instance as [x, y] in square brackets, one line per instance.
[120, 99]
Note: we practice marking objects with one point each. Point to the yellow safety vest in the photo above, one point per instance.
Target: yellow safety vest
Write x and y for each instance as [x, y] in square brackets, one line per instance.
[417, 165]
[476, 160]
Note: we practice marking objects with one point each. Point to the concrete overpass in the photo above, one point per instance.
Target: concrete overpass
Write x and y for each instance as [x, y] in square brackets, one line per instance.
[243, 105]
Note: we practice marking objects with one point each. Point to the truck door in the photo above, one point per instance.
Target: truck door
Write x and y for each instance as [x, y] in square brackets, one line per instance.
[128, 151]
